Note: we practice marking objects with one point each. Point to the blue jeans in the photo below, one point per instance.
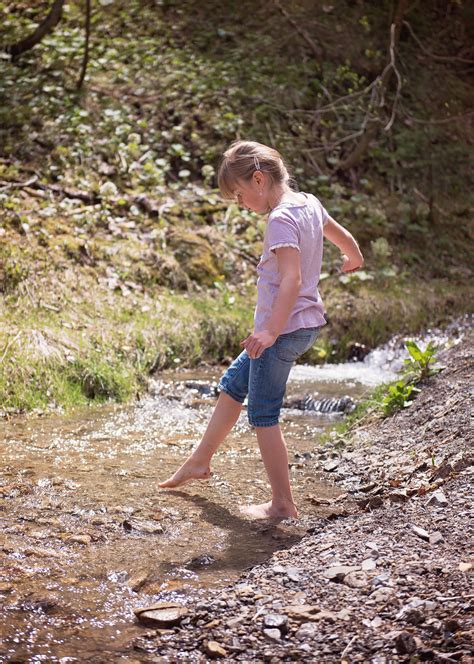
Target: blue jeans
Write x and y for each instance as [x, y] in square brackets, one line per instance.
[264, 379]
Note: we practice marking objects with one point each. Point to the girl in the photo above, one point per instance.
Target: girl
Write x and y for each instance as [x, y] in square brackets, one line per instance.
[288, 315]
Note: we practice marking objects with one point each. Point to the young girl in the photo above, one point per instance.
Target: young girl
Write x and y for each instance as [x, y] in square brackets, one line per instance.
[288, 315]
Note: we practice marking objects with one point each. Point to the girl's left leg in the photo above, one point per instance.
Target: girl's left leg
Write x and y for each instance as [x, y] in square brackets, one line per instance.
[275, 458]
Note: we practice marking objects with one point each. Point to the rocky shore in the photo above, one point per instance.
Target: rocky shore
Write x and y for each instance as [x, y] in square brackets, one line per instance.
[385, 576]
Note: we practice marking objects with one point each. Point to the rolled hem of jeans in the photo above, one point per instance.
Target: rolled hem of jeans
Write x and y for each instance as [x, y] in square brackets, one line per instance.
[259, 425]
[229, 393]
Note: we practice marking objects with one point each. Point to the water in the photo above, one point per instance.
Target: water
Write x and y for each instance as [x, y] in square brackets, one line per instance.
[87, 536]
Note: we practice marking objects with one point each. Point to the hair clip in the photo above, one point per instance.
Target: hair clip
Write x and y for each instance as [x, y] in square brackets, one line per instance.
[256, 162]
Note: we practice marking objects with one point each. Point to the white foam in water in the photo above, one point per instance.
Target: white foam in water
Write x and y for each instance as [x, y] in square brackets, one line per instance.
[380, 366]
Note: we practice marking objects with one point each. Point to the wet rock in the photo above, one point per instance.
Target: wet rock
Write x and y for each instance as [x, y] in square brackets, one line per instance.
[142, 526]
[137, 580]
[214, 649]
[438, 499]
[405, 644]
[163, 614]
[272, 634]
[338, 572]
[200, 561]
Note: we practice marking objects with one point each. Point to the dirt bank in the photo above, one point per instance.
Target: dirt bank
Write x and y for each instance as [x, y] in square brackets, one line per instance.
[385, 577]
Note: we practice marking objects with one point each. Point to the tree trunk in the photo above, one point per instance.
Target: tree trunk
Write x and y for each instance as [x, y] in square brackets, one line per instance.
[44, 28]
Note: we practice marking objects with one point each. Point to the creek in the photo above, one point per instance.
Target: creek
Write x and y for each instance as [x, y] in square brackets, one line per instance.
[87, 535]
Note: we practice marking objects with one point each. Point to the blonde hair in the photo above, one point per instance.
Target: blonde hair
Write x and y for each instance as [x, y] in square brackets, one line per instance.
[242, 159]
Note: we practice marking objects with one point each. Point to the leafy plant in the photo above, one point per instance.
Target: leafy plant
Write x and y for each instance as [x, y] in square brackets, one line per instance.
[419, 365]
[398, 397]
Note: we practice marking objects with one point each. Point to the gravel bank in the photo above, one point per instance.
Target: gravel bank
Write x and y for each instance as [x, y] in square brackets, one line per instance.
[385, 577]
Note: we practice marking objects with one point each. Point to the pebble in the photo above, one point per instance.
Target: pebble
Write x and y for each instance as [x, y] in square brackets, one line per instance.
[438, 499]
[277, 620]
[293, 573]
[338, 572]
[272, 634]
[163, 614]
[436, 537]
[356, 579]
[214, 649]
[368, 564]
[306, 631]
[405, 643]
[421, 532]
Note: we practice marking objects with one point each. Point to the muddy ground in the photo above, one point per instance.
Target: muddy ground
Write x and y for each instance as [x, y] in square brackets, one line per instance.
[385, 576]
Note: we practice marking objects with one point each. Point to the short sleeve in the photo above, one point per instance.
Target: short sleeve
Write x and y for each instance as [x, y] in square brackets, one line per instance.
[324, 214]
[283, 231]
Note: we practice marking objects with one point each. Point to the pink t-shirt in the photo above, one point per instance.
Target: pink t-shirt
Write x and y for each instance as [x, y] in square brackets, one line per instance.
[299, 226]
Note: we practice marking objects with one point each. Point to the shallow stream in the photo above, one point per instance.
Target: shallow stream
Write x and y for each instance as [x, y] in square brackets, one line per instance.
[87, 535]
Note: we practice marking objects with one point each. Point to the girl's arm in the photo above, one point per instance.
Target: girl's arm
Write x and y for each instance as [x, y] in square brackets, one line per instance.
[289, 266]
[338, 235]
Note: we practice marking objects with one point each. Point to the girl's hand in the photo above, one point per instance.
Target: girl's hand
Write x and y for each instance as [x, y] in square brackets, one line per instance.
[352, 264]
[257, 342]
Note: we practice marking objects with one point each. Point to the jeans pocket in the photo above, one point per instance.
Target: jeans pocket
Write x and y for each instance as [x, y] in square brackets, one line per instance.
[289, 347]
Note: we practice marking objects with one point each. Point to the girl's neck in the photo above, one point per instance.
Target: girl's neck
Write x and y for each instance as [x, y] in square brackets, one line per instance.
[277, 195]
[283, 193]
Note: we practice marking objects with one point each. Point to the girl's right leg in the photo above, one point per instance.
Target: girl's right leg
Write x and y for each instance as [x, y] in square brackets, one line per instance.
[226, 413]
[196, 467]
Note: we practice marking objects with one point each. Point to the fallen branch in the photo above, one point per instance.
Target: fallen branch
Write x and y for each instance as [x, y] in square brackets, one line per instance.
[318, 51]
[433, 56]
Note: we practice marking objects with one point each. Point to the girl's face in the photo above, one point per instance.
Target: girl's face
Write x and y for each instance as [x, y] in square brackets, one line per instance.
[253, 194]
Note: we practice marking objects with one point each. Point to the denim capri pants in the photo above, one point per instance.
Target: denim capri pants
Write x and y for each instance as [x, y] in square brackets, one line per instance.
[264, 379]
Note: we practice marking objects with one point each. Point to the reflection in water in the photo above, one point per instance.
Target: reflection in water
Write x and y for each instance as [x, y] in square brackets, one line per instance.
[87, 536]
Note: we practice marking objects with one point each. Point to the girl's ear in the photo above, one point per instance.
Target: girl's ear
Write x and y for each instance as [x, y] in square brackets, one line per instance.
[258, 178]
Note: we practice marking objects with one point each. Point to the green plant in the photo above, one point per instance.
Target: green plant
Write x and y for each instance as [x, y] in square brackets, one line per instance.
[419, 365]
[398, 397]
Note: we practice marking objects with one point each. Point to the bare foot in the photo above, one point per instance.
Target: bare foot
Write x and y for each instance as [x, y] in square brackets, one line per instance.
[189, 471]
[270, 511]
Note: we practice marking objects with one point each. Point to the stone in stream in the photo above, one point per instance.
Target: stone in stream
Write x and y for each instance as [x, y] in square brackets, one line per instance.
[343, 405]
[137, 580]
[163, 614]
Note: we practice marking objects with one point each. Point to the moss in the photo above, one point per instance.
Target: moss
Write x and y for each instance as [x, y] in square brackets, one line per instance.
[195, 255]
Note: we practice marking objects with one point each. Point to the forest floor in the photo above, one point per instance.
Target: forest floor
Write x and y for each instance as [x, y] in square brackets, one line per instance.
[385, 576]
